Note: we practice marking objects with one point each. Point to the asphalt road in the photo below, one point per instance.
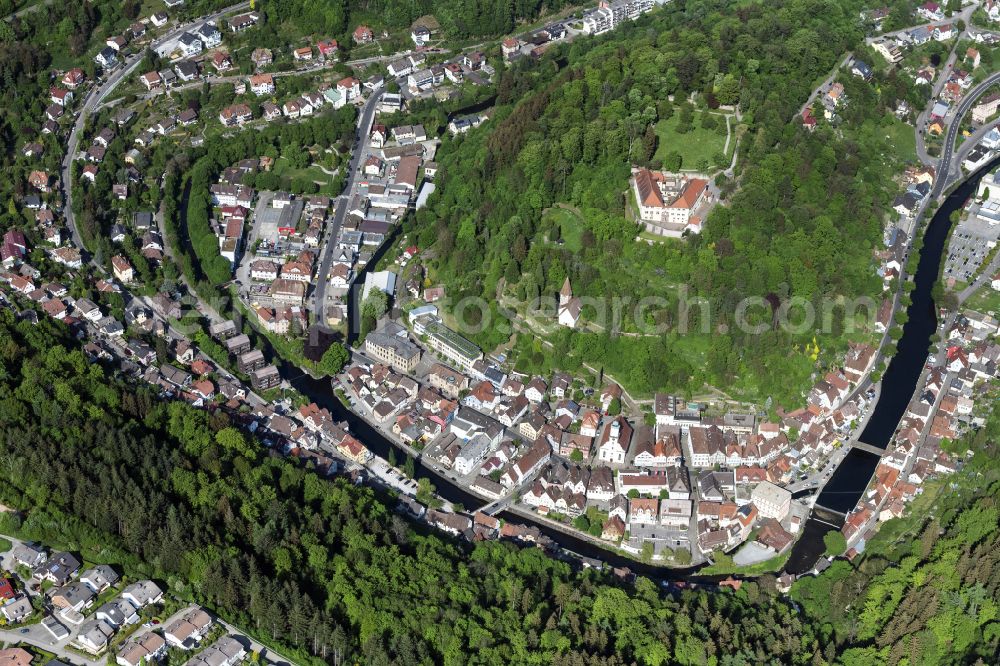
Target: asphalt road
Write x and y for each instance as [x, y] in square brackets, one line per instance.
[27, 10]
[359, 152]
[823, 87]
[959, 154]
[964, 15]
[944, 178]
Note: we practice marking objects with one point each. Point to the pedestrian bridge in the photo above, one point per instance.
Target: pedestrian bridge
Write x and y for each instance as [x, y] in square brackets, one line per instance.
[858, 444]
[495, 507]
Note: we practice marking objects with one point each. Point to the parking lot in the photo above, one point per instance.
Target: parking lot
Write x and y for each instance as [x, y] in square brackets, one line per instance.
[391, 477]
[969, 245]
[661, 537]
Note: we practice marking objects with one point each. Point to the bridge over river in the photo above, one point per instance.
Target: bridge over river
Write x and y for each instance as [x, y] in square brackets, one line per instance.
[870, 448]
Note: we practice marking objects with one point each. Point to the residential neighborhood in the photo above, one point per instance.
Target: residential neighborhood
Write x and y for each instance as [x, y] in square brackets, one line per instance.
[86, 613]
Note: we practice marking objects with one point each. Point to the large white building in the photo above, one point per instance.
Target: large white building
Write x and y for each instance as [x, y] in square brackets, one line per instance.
[771, 501]
[986, 108]
[390, 345]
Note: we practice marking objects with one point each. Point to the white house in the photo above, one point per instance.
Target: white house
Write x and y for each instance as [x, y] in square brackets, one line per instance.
[190, 44]
[350, 87]
[210, 36]
[771, 501]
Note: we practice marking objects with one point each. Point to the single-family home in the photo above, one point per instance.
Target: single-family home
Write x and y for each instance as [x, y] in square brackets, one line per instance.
[262, 84]
[363, 34]
[190, 44]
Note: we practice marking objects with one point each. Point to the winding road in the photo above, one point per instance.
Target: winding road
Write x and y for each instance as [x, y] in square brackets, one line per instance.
[94, 99]
[945, 177]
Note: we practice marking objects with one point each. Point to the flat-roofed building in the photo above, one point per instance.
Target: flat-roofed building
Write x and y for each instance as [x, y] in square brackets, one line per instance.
[451, 345]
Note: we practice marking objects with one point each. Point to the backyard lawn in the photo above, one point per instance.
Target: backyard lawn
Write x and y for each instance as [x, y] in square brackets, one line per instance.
[985, 300]
[696, 146]
[312, 173]
[724, 565]
[902, 137]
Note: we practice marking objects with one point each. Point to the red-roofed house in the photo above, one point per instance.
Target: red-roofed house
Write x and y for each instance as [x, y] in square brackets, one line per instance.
[327, 48]
[354, 450]
[200, 367]
[73, 78]
[203, 389]
[6, 589]
[509, 47]
[363, 34]
[122, 268]
[39, 180]
[808, 119]
[350, 87]
[151, 80]
[262, 84]
[61, 96]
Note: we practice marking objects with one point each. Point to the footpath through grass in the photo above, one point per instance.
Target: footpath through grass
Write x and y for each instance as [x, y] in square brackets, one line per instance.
[699, 146]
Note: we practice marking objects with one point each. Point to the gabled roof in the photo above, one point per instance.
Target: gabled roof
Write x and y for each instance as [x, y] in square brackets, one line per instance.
[649, 193]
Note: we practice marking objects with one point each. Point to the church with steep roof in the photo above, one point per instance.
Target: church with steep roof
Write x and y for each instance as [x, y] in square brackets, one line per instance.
[569, 306]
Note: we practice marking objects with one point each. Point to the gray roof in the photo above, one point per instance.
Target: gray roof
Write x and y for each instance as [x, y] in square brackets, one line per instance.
[75, 593]
[60, 566]
[117, 611]
[26, 554]
[470, 416]
[102, 575]
[143, 591]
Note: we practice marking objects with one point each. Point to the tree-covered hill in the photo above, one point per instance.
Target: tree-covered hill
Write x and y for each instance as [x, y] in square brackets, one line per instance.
[804, 215]
[456, 18]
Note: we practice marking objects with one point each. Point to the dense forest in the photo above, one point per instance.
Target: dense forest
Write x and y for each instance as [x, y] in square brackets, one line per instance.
[457, 18]
[323, 568]
[804, 214]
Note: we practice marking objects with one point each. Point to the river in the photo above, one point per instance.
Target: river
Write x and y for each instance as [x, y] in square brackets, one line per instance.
[842, 491]
[845, 487]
